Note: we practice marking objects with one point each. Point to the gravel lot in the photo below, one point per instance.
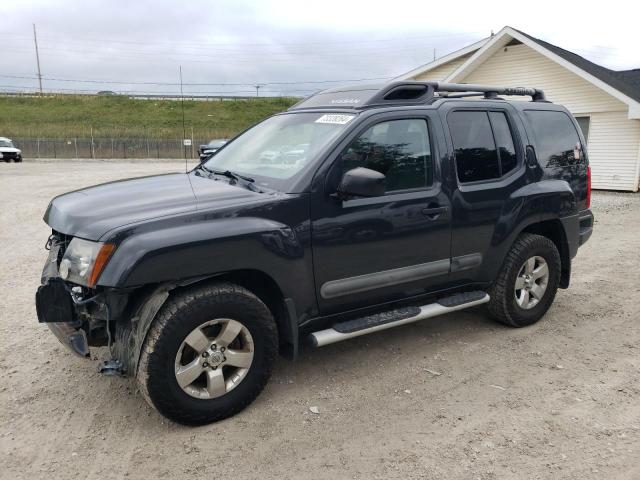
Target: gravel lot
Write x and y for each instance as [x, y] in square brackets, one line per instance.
[451, 397]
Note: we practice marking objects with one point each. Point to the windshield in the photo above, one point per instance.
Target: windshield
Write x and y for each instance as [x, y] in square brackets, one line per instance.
[6, 143]
[280, 147]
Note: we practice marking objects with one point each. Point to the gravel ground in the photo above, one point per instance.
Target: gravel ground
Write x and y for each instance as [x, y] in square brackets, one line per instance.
[452, 397]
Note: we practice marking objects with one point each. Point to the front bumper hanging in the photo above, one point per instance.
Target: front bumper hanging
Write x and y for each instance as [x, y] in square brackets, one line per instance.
[55, 307]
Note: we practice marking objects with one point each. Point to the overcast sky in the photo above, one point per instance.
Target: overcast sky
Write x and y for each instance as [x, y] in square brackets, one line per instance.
[244, 43]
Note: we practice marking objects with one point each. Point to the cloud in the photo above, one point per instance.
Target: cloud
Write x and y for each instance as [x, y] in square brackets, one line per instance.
[243, 43]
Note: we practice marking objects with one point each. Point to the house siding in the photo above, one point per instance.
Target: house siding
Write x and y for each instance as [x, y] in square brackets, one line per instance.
[438, 74]
[614, 146]
[614, 140]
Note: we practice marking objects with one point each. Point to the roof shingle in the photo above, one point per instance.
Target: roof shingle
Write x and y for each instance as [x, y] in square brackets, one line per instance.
[626, 81]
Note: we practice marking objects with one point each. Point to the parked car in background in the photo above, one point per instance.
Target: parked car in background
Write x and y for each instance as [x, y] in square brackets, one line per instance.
[212, 147]
[8, 151]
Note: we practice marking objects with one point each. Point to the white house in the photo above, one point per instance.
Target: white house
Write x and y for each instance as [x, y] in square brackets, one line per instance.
[605, 102]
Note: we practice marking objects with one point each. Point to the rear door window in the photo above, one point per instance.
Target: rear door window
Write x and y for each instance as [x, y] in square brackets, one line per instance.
[504, 141]
[475, 150]
[556, 138]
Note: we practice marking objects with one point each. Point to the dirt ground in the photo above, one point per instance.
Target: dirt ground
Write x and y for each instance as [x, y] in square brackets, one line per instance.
[452, 397]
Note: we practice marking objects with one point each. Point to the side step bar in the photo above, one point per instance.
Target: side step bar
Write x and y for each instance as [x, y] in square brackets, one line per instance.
[393, 318]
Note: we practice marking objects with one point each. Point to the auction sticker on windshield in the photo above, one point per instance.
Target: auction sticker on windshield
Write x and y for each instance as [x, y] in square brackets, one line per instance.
[334, 118]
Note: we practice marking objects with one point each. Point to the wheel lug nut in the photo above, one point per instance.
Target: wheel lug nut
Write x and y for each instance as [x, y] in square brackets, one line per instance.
[222, 349]
[214, 367]
[213, 346]
[205, 354]
[205, 364]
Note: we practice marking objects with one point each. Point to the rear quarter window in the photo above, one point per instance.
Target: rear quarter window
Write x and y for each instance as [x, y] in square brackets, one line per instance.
[555, 137]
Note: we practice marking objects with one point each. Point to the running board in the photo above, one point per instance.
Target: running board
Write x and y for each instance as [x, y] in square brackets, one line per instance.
[393, 318]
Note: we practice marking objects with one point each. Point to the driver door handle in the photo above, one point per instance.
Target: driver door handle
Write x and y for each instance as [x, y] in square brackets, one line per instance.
[434, 212]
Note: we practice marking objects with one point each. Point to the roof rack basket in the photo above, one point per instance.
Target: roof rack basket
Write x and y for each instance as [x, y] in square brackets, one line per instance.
[489, 91]
[423, 92]
[407, 93]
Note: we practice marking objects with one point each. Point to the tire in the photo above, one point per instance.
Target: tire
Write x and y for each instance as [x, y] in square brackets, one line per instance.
[195, 310]
[515, 312]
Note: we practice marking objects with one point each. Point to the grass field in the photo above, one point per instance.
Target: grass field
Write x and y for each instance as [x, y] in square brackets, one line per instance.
[69, 116]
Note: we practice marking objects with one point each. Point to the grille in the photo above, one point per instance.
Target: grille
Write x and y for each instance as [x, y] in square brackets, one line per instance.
[10, 155]
[62, 240]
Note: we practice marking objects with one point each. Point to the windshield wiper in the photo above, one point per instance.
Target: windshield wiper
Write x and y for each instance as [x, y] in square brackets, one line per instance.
[230, 174]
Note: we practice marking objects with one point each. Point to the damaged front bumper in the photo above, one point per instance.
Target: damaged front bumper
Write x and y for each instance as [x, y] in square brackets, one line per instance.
[82, 318]
[71, 319]
[71, 336]
[55, 307]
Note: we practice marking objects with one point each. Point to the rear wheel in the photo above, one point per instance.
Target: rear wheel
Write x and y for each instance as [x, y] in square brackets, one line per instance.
[527, 283]
[208, 354]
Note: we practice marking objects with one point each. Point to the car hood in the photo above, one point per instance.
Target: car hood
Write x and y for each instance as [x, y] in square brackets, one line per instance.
[9, 150]
[91, 212]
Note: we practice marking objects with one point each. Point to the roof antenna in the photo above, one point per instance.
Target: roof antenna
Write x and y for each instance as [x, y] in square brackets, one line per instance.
[492, 34]
[184, 131]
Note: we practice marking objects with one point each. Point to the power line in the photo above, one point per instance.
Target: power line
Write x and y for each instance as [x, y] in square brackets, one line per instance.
[244, 56]
[75, 39]
[18, 88]
[250, 84]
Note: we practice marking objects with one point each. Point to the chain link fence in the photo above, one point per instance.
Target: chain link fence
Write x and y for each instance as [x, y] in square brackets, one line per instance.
[107, 148]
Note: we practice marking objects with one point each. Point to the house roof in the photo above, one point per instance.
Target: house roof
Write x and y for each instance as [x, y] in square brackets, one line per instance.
[627, 82]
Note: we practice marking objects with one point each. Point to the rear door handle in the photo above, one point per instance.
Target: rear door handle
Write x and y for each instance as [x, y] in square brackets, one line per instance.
[434, 212]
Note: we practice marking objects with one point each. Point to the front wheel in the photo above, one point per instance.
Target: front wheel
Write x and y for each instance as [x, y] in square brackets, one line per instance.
[527, 283]
[208, 354]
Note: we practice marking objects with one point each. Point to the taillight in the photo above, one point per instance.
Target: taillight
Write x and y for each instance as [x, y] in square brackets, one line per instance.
[588, 186]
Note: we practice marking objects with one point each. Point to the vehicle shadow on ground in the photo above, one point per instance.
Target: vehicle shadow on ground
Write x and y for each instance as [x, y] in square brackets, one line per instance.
[316, 367]
[429, 334]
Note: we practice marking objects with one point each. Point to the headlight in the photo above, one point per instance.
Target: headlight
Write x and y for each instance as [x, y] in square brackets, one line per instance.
[84, 261]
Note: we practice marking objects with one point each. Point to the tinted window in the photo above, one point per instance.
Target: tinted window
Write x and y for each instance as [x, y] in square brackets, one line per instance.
[399, 149]
[504, 141]
[556, 137]
[475, 150]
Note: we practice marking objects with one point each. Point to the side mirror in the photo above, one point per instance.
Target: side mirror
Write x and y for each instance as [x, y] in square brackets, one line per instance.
[362, 182]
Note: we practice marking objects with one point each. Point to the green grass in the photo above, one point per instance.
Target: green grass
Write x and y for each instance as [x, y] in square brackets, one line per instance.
[75, 116]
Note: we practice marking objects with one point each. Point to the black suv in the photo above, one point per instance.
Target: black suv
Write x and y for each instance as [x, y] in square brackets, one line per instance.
[358, 209]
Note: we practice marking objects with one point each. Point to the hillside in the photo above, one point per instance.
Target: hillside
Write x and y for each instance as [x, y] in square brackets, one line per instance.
[69, 116]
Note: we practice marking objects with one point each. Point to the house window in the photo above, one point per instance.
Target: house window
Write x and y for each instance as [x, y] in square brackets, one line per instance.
[583, 123]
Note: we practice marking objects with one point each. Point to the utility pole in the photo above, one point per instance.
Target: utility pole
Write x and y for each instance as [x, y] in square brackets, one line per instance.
[184, 130]
[258, 90]
[35, 40]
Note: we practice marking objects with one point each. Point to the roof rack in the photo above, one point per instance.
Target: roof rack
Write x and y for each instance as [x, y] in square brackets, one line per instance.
[489, 91]
[407, 93]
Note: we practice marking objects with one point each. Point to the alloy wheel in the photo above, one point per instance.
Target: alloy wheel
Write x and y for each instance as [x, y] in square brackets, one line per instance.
[531, 282]
[214, 358]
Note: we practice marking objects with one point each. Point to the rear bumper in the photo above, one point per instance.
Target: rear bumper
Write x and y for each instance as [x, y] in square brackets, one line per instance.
[586, 220]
